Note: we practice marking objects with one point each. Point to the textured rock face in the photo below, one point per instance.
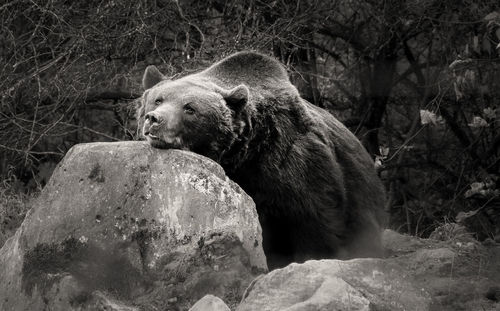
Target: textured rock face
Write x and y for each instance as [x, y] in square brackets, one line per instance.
[453, 273]
[358, 284]
[125, 226]
[456, 270]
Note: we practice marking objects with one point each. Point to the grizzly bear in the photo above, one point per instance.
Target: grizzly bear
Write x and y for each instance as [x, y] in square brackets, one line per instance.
[314, 185]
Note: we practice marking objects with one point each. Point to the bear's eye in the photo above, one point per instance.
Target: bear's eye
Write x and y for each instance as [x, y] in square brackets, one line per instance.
[158, 101]
[189, 109]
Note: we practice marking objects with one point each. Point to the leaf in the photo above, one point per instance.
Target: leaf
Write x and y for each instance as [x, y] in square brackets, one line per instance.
[475, 188]
[489, 113]
[478, 122]
[384, 151]
[492, 16]
[462, 216]
[429, 117]
[378, 162]
[459, 64]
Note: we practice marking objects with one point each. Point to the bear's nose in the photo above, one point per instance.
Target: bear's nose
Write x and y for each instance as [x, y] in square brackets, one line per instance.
[153, 117]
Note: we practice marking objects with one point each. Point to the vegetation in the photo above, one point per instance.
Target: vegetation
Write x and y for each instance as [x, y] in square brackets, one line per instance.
[416, 81]
[13, 206]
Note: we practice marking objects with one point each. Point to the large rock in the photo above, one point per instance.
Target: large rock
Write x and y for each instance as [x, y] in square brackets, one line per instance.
[358, 284]
[452, 273]
[122, 226]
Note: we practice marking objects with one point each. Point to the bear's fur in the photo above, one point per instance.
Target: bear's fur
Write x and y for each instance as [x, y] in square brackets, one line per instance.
[314, 184]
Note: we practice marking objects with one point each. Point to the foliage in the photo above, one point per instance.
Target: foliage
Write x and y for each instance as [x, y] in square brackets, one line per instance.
[13, 206]
[417, 81]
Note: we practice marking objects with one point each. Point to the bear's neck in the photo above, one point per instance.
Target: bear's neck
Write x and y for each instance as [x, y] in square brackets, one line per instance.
[265, 141]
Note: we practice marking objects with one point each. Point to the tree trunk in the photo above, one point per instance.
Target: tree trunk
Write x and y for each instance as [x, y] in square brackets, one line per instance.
[376, 83]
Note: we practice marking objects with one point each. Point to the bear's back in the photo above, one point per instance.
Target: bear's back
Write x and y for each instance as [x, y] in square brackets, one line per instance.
[250, 68]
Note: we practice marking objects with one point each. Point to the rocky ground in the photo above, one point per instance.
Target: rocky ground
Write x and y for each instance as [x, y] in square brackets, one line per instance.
[451, 271]
[121, 226]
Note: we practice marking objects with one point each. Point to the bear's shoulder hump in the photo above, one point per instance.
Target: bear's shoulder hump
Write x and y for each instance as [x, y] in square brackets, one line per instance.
[248, 64]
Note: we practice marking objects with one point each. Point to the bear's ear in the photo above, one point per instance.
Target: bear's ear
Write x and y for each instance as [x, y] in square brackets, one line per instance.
[152, 76]
[237, 97]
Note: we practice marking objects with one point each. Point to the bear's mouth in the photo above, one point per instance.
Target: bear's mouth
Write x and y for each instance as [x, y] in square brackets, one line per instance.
[159, 142]
[153, 137]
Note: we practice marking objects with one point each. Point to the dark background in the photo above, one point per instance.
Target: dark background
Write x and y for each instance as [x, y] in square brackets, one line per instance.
[417, 81]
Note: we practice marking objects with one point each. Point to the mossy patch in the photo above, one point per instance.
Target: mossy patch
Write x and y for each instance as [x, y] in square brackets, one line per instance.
[93, 267]
[44, 264]
[97, 173]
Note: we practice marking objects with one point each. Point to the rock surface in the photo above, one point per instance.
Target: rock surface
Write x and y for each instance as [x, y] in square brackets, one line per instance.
[210, 303]
[456, 273]
[122, 226]
[358, 284]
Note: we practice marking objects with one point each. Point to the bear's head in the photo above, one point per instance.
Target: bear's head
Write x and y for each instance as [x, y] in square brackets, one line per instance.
[191, 113]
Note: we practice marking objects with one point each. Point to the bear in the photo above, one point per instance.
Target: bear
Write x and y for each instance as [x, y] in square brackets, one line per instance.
[315, 186]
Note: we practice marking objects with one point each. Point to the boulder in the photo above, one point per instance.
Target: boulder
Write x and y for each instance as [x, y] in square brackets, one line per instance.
[358, 284]
[123, 226]
[451, 272]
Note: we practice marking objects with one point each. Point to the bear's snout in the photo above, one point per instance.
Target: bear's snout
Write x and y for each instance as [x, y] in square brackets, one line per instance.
[153, 117]
[163, 127]
[151, 126]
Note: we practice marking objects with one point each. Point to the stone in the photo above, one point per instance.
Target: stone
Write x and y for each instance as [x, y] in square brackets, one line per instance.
[210, 303]
[454, 269]
[131, 227]
[358, 284]
[395, 243]
[446, 274]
